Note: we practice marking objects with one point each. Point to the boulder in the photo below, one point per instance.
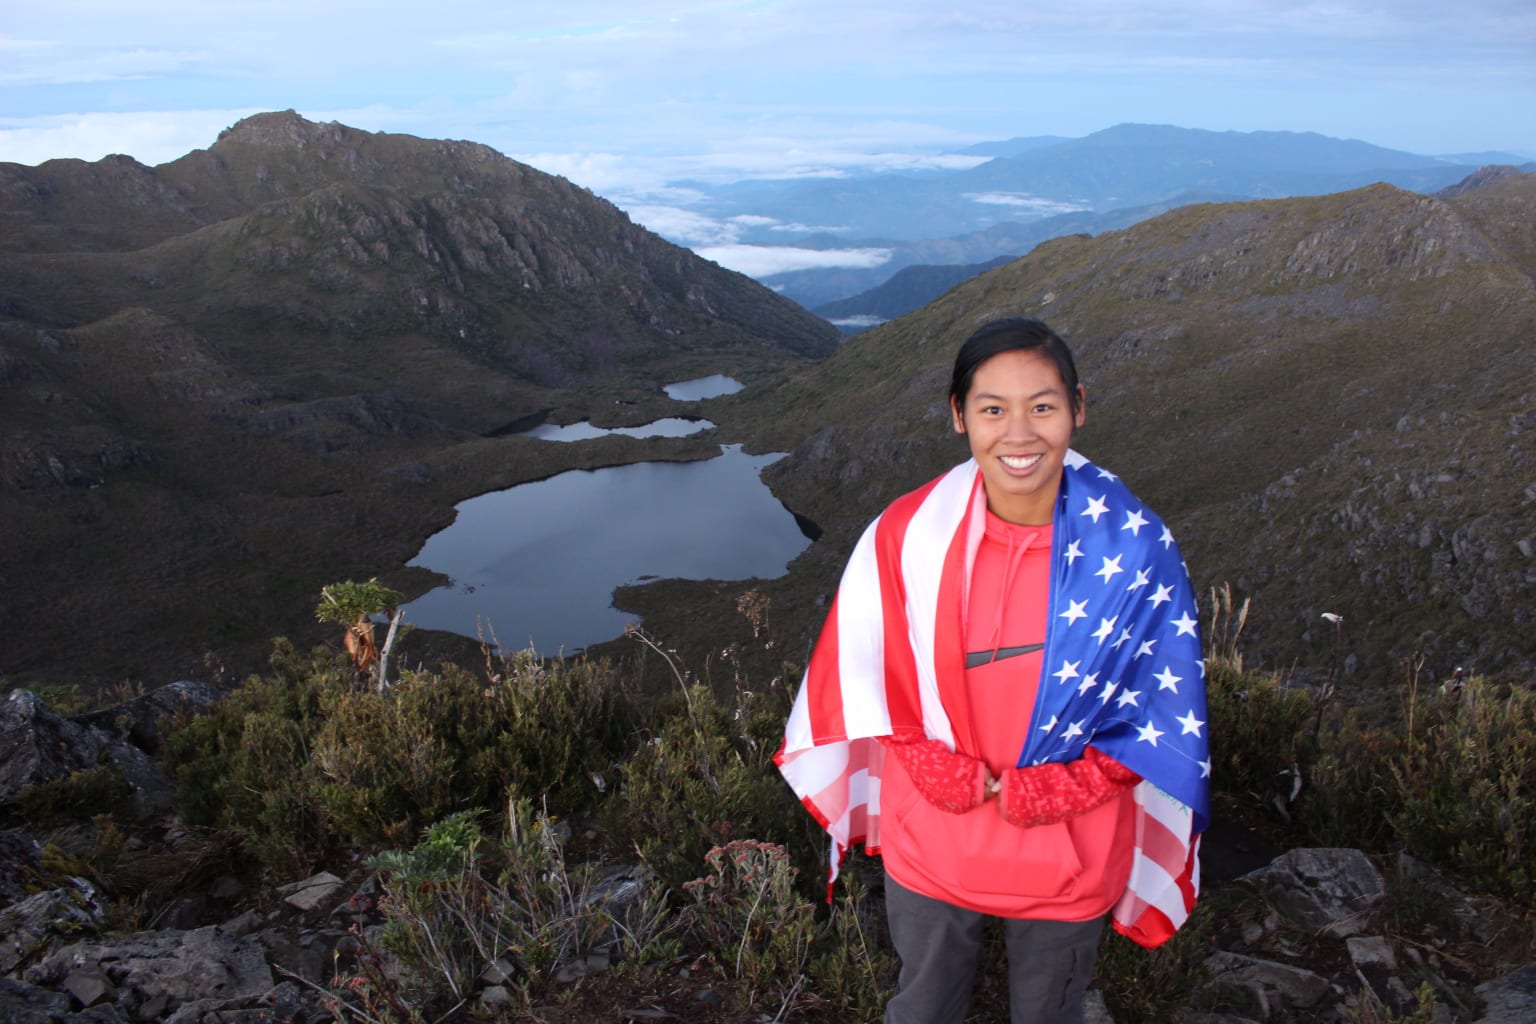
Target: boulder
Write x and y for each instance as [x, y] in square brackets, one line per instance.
[1265, 990]
[31, 925]
[195, 971]
[39, 745]
[1328, 891]
[1510, 999]
[141, 720]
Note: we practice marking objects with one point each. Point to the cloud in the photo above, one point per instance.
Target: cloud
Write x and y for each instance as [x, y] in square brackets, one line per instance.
[151, 137]
[686, 227]
[1025, 201]
[765, 260]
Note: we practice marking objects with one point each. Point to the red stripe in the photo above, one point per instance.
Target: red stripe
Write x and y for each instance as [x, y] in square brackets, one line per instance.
[824, 696]
[1162, 847]
[1150, 930]
[949, 645]
[903, 700]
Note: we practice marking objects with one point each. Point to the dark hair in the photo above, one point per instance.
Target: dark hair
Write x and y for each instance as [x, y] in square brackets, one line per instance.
[1012, 334]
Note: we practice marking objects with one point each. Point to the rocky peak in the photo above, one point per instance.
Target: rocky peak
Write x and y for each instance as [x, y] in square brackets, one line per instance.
[285, 128]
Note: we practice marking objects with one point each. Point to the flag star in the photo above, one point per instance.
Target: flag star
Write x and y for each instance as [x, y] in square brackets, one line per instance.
[1134, 521]
[1166, 680]
[1074, 730]
[1067, 671]
[1205, 769]
[1166, 538]
[1190, 723]
[1145, 648]
[1074, 611]
[1128, 697]
[1105, 474]
[1106, 627]
[1201, 663]
[1140, 581]
[1148, 733]
[1111, 566]
[1073, 553]
[1163, 593]
[1048, 726]
[1096, 507]
[1125, 634]
[1089, 682]
[1108, 691]
[1185, 625]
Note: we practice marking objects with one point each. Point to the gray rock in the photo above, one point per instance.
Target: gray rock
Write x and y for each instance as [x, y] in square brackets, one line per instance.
[1330, 891]
[29, 926]
[39, 745]
[1510, 999]
[1264, 989]
[140, 720]
[312, 892]
[89, 985]
[186, 967]
[21, 1003]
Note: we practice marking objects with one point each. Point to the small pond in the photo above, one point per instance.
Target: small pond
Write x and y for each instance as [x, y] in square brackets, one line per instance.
[671, 426]
[537, 564]
[701, 388]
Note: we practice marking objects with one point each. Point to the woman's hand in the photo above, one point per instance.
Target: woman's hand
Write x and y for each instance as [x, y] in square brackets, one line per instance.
[951, 782]
[1048, 793]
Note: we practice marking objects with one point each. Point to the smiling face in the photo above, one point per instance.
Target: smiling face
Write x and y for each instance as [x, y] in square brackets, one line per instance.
[1018, 417]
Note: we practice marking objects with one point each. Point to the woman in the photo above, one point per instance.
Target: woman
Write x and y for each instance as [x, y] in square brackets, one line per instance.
[1007, 701]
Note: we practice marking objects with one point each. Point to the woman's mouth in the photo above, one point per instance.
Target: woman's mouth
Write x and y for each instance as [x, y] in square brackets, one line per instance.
[1020, 463]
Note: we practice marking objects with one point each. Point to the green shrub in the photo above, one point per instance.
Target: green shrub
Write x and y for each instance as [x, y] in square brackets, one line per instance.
[245, 765]
[1454, 781]
[302, 762]
[81, 794]
[748, 911]
[1262, 733]
[704, 777]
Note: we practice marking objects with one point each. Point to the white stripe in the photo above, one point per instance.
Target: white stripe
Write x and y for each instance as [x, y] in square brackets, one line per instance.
[797, 731]
[810, 771]
[1172, 814]
[923, 550]
[1157, 887]
[860, 642]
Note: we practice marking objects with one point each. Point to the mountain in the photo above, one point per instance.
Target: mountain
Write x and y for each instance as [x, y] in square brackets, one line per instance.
[1330, 399]
[842, 285]
[277, 362]
[910, 288]
[1127, 165]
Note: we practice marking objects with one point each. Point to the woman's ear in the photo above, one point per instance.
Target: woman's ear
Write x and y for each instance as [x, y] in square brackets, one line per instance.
[954, 410]
[1082, 407]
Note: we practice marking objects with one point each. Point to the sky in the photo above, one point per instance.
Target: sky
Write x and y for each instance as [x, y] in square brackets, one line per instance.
[627, 97]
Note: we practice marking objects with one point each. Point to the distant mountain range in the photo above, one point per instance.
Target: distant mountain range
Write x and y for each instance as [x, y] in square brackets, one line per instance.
[1060, 186]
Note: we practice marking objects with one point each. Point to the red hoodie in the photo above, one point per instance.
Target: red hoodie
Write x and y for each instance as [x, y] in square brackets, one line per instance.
[1057, 843]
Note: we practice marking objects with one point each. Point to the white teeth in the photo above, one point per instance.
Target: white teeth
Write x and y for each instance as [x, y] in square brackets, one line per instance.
[1019, 461]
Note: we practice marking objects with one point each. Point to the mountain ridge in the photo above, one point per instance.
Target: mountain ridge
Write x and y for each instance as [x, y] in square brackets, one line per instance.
[1328, 397]
[282, 360]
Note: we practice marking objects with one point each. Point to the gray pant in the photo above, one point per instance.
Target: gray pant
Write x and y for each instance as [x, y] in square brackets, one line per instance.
[1050, 963]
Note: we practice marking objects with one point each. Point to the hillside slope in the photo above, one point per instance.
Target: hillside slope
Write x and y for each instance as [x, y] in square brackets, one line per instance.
[1331, 399]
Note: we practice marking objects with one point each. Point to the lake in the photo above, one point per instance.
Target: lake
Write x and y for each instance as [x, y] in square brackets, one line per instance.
[536, 565]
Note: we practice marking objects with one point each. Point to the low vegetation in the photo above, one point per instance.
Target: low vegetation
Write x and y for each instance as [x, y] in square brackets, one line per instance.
[503, 805]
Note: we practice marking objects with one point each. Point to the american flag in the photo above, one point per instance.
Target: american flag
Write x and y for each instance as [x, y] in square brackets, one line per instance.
[1122, 671]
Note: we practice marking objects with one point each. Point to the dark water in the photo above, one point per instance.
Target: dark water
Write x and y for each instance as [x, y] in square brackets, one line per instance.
[537, 564]
[672, 426]
[703, 387]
